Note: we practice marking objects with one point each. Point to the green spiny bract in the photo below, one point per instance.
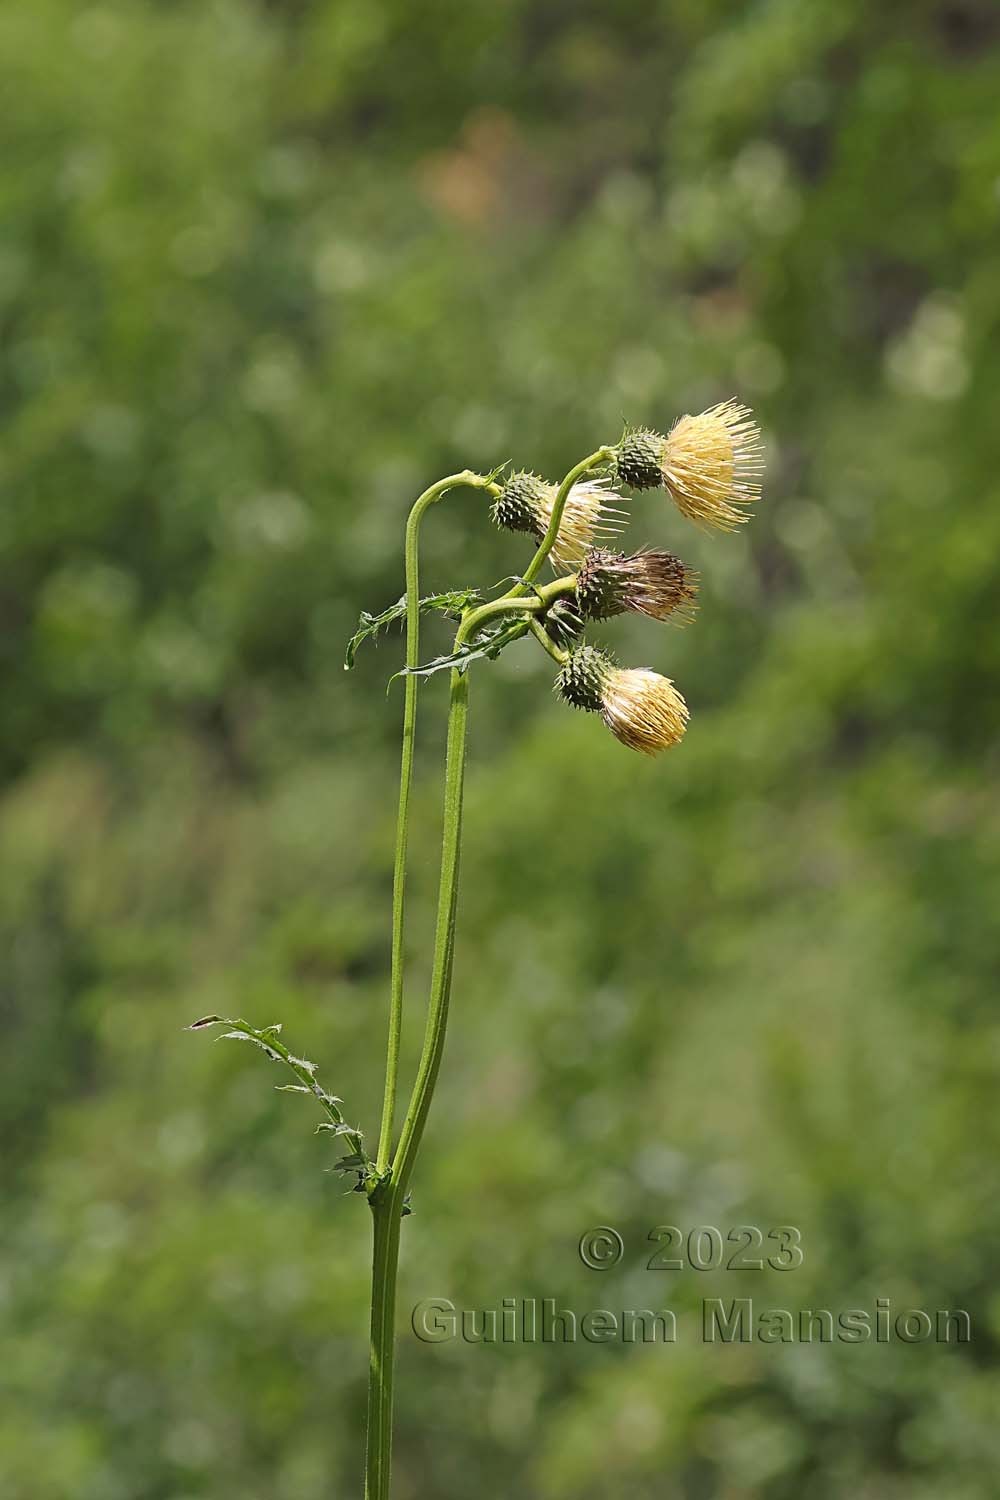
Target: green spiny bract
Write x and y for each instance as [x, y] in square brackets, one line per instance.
[520, 504]
[563, 622]
[582, 678]
[601, 588]
[638, 460]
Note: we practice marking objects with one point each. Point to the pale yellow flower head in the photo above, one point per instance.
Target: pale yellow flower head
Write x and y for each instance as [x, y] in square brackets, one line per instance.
[587, 519]
[643, 710]
[712, 465]
[589, 516]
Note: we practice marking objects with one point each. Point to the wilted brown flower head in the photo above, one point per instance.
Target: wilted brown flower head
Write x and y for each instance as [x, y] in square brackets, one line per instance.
[525, 504]
[710, 464]
[653, 582]
[642, 709]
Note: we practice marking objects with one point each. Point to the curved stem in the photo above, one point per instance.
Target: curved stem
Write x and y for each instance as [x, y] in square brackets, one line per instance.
[548, 540]
[535, 602]
[544, 639]
[412, 565]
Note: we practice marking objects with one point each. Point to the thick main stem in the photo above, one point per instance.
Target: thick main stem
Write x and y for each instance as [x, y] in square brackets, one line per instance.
[386, 1220]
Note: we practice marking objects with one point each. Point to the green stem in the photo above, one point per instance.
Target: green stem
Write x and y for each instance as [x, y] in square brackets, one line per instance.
[544, 639]
[412, 565]
[388, 1200]
[534, 603]
[437, 1013]
[386, 1220]
[545, 546]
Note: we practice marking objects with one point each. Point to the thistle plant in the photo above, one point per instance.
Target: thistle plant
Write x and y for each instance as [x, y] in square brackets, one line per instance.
[710, 468]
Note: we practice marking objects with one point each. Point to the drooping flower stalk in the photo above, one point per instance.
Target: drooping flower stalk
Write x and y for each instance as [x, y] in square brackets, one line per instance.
[412, 571]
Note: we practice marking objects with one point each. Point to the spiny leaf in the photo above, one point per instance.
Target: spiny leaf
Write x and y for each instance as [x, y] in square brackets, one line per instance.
[487, 648]
[258, 1041]
[303, 1062]
[267, 1039]
[352, 1163]
[526, 583]
[369, 625]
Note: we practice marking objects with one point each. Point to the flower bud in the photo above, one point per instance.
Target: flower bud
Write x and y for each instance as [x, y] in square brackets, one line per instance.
[525, 504]
[642, 709]
[652, 582]
[710, 464]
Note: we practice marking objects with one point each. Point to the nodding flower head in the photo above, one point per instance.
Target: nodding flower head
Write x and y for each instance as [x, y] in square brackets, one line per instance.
[711, 464]
[525, 504]
[642, 709]
[653, 582]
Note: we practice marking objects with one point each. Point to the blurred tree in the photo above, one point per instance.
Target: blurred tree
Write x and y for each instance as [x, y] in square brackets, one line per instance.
[267, 271]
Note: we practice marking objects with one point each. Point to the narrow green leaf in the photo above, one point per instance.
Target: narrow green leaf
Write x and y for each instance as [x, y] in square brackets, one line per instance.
[369, 625]
[488, 647]
[246, 1036]
[346, 1164]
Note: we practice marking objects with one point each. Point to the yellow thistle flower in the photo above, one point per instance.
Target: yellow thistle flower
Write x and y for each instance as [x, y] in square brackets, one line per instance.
[525, 504]
[712, 464]
[642, 709]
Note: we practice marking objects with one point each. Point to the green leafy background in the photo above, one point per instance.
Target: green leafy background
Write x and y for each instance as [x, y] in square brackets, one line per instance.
[267, 270]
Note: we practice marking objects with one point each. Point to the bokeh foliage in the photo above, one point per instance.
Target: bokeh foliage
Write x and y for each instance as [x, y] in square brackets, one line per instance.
[268, 270]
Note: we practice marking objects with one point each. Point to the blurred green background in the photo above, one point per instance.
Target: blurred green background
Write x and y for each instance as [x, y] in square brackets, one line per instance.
[267, 270]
